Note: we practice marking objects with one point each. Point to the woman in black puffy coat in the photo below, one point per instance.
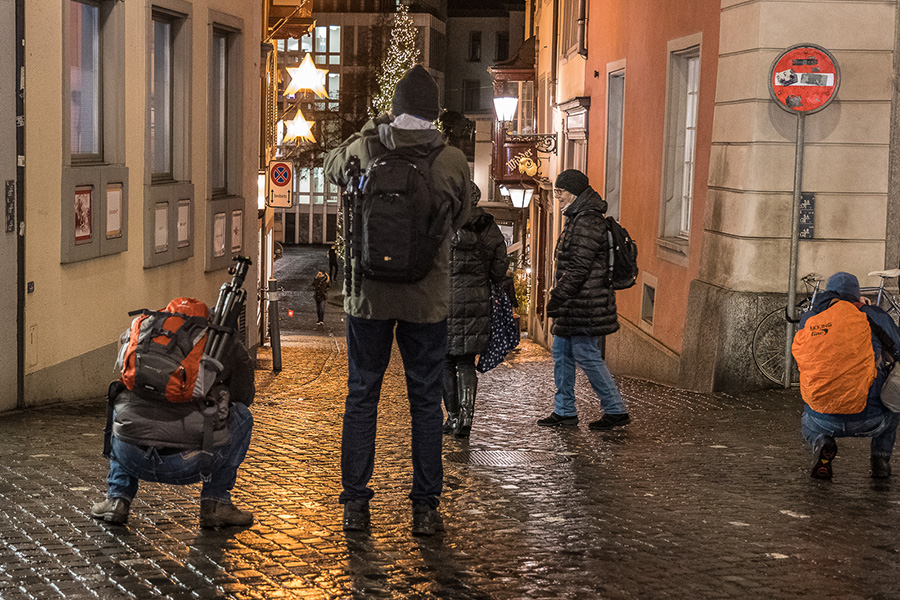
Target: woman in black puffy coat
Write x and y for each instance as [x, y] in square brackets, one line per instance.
[477, 259]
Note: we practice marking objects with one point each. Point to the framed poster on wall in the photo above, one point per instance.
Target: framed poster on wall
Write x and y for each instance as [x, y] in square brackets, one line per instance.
[219, 235]
[161, 227]
[183, 223]
[83, 214]
[113, 211]
[237, 230]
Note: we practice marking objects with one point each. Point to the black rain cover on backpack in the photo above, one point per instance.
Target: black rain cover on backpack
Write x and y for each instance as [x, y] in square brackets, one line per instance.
[623, 269]
[402, 222]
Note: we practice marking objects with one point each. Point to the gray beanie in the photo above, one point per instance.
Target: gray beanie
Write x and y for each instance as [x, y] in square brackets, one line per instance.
[572, 180]
[416, 94]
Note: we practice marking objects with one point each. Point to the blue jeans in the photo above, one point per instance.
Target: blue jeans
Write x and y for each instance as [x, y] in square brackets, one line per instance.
[875, 422]
[583, 351]
[129, 463]
[423, 347]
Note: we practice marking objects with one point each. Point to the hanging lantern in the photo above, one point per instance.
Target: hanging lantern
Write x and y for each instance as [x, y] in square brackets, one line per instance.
[307, 77]
[299, 129]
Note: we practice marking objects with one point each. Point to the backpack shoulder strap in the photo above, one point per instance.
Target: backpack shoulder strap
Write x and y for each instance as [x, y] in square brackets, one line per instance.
[886, 342]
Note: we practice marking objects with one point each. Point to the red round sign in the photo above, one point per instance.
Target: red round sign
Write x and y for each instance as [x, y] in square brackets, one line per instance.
[281, 174]
[804, 79]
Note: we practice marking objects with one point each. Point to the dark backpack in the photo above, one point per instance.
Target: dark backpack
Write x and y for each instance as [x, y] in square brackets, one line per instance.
[623, 268]
[401, 222]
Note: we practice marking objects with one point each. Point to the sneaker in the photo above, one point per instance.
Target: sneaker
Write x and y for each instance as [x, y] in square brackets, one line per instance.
[609, 421]
[320, 323]
[222, 513]
[426, 520]
[555, 420]
[881, 467]
[112, 510]
[821, 469]
[356, 515]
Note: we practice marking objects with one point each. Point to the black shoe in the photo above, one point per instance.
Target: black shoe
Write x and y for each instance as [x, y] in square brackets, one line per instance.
[555, 420]
[881, 467]
[821, 469]
[426, 520]
[450, 424]
[462, 432]
[356, 515]
[610, 421]
[112, 510]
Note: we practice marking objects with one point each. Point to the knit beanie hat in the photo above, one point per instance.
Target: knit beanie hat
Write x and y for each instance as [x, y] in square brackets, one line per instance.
[416, 94]
[573, 181]
[474, 193]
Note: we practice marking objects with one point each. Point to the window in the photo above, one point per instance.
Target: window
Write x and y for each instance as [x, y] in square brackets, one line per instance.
[471, 95]
[569, 26]
[218, 114]
[475, 46]
[615, 118]
[161, 86]
[681, 136]
[502, 46]
[85, 82]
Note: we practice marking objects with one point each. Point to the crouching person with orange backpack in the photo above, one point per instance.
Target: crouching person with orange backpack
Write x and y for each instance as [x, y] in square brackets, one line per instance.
[179, 413]
[843, 349]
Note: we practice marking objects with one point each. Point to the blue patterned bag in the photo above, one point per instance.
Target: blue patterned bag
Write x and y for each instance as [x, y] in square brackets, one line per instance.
[504, 331]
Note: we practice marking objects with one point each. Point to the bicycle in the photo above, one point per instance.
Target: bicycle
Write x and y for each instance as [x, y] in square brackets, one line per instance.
[768, 344]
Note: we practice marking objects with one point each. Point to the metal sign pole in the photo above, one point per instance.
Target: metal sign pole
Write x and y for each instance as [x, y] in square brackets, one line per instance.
[795, 250]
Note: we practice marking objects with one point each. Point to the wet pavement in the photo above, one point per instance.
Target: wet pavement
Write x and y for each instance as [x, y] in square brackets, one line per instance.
[702, 496]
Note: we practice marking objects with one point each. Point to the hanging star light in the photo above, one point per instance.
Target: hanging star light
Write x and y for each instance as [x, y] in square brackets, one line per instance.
[307, 77]
[299, 129]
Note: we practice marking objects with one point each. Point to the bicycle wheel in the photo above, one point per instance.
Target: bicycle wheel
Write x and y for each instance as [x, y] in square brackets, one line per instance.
[768, 347]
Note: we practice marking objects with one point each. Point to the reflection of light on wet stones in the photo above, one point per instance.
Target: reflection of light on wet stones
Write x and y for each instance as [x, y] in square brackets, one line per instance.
[505, 458]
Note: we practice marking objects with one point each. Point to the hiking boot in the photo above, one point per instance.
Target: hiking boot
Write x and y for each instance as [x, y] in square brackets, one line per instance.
[112, 510]
[881, 467]
[609, 421]
[222, 513]
[555, 420]
[426, 520]
[821, 468]
[356, 515]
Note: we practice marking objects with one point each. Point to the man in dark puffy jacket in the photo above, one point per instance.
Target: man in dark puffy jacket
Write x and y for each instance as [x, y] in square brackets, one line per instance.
[415, 313]
[582, 305]
[477, 260]
[156, 440]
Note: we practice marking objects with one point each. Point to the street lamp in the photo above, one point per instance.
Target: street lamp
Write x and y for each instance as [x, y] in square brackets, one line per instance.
[505, 107]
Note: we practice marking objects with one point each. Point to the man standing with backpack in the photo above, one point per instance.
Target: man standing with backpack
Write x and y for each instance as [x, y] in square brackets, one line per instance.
[843, 350]
[383, 298]
[582, 305]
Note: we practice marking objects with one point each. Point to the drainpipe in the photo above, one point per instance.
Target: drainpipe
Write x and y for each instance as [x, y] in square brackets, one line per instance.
[582, 27]
[554, 52]
[20, 203]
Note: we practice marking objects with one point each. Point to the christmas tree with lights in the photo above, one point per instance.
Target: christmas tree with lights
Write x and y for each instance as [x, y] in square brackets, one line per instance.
[401, 56]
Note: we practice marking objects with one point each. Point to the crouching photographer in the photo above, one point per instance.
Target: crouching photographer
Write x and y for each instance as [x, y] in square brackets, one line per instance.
[179, 413]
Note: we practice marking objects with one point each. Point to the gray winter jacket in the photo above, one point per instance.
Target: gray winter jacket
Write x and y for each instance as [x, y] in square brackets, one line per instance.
[180, 425]
[427, 300]
[477, 259]
[582, 302]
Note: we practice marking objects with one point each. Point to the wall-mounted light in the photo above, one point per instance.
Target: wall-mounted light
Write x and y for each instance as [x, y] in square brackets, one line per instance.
[505, 107]
[520, 196]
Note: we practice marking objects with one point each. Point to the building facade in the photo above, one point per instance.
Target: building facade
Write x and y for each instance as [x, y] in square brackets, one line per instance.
[140, 158]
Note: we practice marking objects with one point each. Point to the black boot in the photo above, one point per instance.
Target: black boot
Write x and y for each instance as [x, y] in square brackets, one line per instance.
[451, 402]
[468, 384]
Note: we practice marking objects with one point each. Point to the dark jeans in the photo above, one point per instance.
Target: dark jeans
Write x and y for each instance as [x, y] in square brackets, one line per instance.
[320, 310]
[423, 347]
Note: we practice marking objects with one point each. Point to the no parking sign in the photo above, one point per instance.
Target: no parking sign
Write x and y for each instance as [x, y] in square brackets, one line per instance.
[280, 182]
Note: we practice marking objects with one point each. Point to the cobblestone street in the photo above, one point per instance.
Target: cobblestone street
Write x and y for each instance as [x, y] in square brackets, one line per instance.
[702, 496]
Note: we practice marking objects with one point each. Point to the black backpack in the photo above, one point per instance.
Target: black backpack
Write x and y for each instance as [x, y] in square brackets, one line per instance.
[623, 268]
[401, 222]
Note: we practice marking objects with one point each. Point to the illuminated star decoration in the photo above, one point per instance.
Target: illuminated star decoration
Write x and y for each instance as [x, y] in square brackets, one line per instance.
[299, 128]
[307, 77]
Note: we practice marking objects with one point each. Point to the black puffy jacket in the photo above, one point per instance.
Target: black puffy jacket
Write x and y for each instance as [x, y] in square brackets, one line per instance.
[582, 302]
[477, 258]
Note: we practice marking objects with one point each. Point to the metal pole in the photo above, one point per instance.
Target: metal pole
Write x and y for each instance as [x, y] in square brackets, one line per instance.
[795, 247]
[274, 331]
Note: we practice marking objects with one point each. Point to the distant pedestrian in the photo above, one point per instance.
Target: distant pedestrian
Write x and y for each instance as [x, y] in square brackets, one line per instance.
[477, 259]
[332, 262]
[582, 305]
[414, 312]
[842, 351]
[320, 286]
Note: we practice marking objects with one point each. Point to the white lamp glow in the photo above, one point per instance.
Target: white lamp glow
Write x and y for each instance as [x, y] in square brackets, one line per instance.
[299, 128]
[307, 77]
[505, 107]
[520, 196]
[261, 190]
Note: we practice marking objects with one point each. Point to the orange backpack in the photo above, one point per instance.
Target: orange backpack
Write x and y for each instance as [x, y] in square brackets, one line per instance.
[836, 361]
[162, 360]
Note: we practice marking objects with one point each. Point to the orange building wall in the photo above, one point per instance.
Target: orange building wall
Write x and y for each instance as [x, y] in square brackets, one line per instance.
[638, 31]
